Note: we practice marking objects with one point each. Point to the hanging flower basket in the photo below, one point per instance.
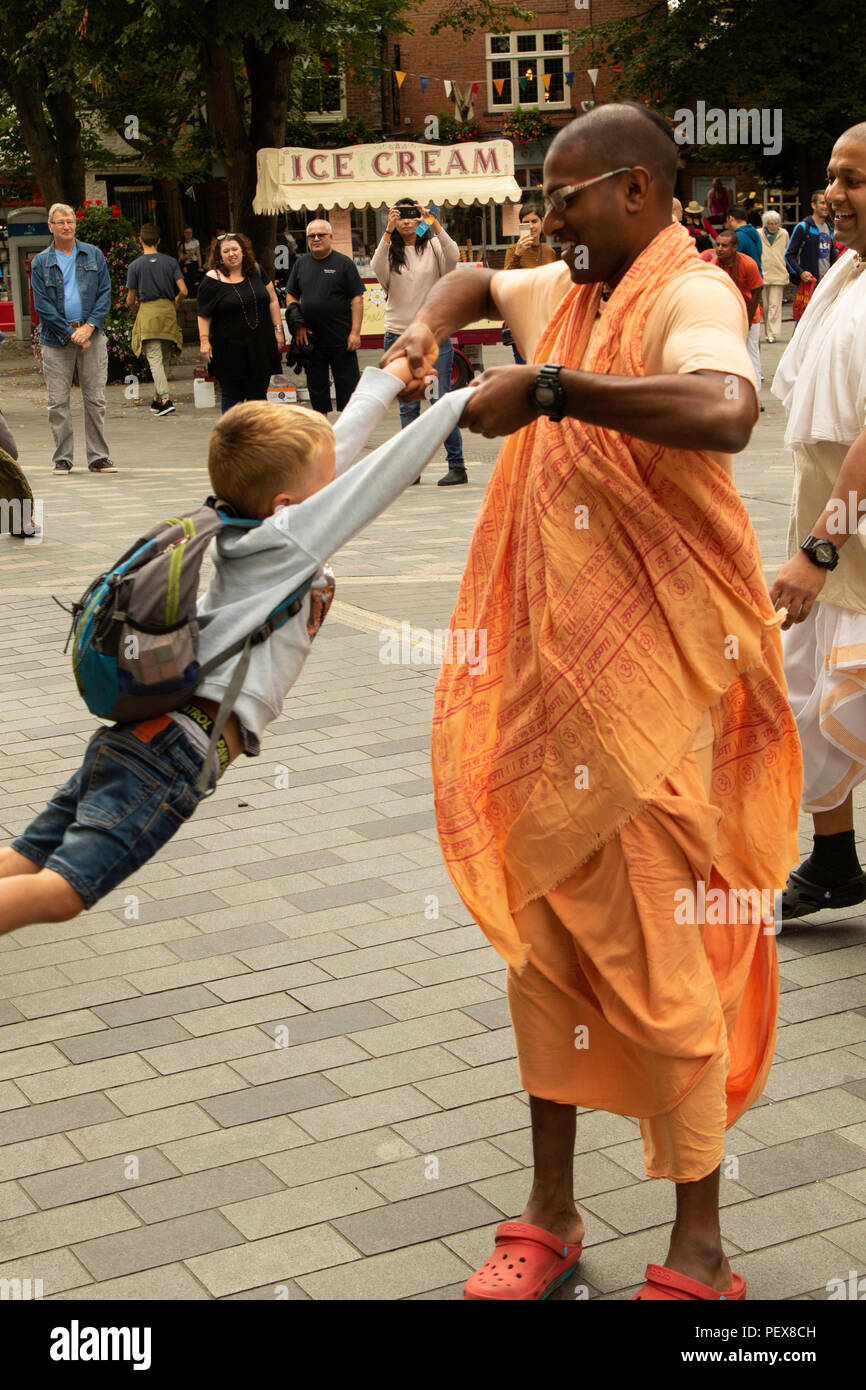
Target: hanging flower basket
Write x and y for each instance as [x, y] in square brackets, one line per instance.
[525, 126]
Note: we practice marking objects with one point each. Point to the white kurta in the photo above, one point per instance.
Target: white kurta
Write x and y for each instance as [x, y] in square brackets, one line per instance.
[822, 381]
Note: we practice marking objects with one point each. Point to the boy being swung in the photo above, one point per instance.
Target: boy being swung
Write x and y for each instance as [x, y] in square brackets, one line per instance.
[137, 782]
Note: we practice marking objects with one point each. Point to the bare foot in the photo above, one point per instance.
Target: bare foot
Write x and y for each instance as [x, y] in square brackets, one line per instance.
[565, 1223]
[707, 1264]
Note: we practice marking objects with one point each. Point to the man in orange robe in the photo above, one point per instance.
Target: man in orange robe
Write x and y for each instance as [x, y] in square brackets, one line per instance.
[616, 792]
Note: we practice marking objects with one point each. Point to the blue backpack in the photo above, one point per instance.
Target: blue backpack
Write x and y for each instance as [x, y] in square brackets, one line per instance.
[135, 630]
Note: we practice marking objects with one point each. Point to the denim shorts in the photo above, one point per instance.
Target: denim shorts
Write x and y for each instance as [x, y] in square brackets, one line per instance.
[133, 791]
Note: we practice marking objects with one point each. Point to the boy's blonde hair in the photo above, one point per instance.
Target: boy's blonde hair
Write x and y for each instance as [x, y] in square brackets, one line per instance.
[258, 449]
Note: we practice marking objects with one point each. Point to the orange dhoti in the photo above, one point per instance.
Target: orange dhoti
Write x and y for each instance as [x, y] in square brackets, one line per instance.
[620, 590]
[624, 1008]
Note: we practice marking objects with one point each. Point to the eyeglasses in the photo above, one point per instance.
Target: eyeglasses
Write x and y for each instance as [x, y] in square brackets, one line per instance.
[317, 236]
[558, 200]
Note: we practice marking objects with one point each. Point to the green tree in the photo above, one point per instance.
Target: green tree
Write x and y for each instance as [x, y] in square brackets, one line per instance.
[771, 54]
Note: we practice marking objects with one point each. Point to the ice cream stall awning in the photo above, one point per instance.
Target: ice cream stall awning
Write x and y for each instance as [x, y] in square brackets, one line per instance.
[376, 175]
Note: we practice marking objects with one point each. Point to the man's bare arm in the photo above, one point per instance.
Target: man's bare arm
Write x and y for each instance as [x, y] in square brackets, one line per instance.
[704, 410]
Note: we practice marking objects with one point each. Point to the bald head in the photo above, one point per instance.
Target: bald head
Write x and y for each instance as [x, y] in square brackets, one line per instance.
[623, 133]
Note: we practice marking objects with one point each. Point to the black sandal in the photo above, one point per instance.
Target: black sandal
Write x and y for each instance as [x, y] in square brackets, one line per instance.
[802, 897]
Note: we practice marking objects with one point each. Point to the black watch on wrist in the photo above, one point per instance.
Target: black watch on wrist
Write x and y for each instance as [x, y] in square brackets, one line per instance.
[822, 553]
[547, 394]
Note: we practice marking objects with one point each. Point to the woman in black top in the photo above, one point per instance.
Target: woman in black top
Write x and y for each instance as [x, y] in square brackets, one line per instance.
[239, 324]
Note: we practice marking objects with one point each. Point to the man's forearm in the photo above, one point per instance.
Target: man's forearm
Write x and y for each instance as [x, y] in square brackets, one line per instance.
[690, 410]
[357, 313]
[460, 297]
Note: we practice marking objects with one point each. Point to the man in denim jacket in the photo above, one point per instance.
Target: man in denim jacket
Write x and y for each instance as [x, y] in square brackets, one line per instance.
[72, 293]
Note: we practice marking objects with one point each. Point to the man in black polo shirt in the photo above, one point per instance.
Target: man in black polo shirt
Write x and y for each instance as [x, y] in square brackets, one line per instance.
[329, 295]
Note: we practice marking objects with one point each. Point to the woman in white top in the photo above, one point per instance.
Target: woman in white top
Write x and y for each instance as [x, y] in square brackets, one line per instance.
[774, 244]
[415, 252]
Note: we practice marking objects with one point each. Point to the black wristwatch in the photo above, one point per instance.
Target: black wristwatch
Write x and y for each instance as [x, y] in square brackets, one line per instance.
[547, 394]
[822, 553]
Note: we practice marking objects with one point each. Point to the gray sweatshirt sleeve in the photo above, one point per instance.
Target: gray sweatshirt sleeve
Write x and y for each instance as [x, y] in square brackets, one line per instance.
[331, 517]
[450, 249]
[369, 402]
[380, 265]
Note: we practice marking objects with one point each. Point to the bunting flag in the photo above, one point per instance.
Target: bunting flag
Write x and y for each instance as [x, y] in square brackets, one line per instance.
[569, 77]
[616, 69]
[499, 83]
[425, 82]
[448, 85]
[545, 77]
[522, 83]
[401, 78]
[377, 73]
[592, 74]
[475, 89]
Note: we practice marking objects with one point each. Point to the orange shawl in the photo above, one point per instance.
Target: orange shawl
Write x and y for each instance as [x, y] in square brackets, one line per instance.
[609, 632]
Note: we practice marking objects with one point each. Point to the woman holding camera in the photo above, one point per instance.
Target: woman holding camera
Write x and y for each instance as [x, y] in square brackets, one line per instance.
[415, 252]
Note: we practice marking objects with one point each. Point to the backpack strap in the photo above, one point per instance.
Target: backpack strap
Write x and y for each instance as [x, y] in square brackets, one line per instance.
[244, 646]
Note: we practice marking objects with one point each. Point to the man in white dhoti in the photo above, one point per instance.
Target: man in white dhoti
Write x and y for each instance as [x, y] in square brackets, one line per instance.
[822, 381]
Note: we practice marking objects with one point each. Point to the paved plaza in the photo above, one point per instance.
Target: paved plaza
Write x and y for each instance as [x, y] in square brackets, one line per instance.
[277, 1062]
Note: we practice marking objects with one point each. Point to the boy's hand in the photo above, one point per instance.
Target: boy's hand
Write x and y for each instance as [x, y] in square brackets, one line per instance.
[418, 347]
[400, 368]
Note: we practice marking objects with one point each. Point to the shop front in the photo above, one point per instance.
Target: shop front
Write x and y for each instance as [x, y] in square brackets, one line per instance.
[471, 185]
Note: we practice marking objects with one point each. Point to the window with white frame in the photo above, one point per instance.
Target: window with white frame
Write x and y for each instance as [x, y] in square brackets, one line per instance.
[323, 93]
[527, 69]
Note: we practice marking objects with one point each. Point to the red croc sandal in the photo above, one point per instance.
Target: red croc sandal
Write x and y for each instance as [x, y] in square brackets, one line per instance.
[528, 1263]
[664, 1283]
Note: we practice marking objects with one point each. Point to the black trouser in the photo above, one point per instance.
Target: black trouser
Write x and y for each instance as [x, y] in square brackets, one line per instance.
[347, 374]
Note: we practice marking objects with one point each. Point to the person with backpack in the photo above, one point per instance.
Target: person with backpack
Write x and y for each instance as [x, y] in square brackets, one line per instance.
[192, 687]
[811, 252]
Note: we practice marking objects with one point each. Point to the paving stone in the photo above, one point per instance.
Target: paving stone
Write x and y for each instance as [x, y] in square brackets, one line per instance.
[364, 1112]
[818, 1000]
[63, 1082]
[471, 1084]
[396, 1275]
[111, 1257]
[35, 1156]
[56, 1269]
[65, 1026]
[272, 1260]
[271, 1008]
[415, 1176]
[49, 1002]
[165, 1283]
[789, 1215]
[271, 1098]
[110, 1042]
[805, 1074]
[203, 1191]
[145, 1007]
[286, 1211]
[793, 1267]
[821, 1035]
[435, 998]
[200, 1052]
[348, 1154]
[139, 1131]
[49, 1230]
[98, 1178]
[485, 1120]
[161, 1091]
[801, 1161]
[226, 942]
[222, 1146]
[361, 1078]
[495, 1046]
[14, 1201]
[812, 1114]
[56, 1116]
[493, 1014]
[329, 1023]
